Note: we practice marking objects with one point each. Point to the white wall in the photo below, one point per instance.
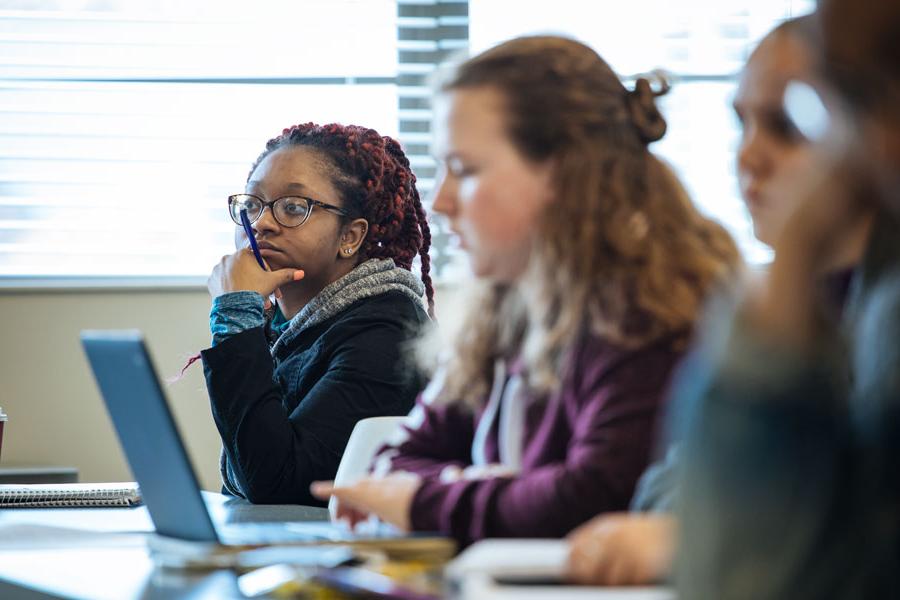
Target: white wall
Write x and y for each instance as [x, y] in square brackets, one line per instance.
[56, 415]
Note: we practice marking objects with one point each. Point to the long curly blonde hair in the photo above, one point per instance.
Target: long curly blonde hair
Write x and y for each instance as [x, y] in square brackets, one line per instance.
[621, 252]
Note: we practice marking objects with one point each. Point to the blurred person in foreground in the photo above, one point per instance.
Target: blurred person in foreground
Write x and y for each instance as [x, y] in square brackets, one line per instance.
[772, 158]
[788, 485]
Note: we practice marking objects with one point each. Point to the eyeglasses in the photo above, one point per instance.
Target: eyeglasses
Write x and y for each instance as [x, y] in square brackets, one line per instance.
[289, 211]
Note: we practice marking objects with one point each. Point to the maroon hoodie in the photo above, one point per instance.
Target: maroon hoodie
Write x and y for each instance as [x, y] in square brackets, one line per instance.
[583, 448]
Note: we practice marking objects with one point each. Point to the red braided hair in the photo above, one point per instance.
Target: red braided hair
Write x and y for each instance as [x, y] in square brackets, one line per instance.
[374, 178]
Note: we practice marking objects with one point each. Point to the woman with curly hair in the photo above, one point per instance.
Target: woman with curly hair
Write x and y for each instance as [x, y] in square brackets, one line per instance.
[338, 222]
[592, 267]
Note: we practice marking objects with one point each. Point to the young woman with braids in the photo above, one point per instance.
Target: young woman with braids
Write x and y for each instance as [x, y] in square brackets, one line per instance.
[592, 265]
[338, 221]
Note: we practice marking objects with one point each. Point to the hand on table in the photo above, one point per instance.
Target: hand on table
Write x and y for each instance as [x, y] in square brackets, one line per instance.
[622, 549]
[389, 498]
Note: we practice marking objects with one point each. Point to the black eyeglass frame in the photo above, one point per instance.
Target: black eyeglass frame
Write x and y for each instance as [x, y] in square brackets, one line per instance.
[233, 199]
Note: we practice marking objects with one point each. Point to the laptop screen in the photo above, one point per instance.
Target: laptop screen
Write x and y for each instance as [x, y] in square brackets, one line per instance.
[148, 434]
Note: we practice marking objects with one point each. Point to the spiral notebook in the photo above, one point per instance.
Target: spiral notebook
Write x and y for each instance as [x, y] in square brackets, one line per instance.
[70, 495]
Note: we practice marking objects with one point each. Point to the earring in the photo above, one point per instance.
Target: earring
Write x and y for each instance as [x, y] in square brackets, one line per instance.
[348, 251]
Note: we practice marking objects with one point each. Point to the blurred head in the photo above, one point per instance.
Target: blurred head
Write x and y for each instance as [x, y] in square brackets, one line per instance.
[862, 61]
[548, 180]
[374, 209]
[510, 126]
[773, 155]
[491, 193]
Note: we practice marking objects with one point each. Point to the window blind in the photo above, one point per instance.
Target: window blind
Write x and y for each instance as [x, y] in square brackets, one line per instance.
[428, 34]
[122, 131]
[703, 44]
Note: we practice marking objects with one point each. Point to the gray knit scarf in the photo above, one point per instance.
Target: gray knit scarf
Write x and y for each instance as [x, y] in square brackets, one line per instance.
[371, 278]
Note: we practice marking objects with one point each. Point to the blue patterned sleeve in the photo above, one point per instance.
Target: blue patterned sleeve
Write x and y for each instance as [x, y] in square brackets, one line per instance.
[233, 313]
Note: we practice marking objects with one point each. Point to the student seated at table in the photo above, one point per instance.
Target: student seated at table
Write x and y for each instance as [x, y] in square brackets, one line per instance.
[798, 430]
[592, 265]
[773, 158]
[637, 547]
[790, 484]
[335, 212]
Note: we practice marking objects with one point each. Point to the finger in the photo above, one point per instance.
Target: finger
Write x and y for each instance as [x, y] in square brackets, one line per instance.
[350, 519]
[349, 497]
[247, 255]
[578, 535]
[350, 514]
[341, 511]
[356, 517]
[596, 533]
[322, 489]
[575, 564]
[583, 568]
[345, 513]
[619, 573]
[644, 575]
[285, 276]
[597, 564]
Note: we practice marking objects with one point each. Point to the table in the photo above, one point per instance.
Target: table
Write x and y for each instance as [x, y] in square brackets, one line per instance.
[101, 554]
[42, 556]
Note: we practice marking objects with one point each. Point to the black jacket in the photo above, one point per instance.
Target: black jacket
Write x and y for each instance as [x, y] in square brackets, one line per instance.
[285, 420]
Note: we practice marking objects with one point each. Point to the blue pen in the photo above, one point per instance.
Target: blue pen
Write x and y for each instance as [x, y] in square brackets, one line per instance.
[249, 231]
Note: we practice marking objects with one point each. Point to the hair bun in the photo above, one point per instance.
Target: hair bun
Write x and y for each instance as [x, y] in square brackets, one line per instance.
[641, 101]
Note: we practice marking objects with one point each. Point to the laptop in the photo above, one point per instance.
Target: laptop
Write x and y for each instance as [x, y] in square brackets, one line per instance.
[149, 436]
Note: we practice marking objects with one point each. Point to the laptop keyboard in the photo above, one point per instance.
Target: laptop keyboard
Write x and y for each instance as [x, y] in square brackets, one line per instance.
[280, 533]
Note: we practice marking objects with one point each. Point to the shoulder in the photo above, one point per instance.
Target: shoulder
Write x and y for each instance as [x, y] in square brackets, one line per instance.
[388, 312]
[883, 303]
[388, 318]
[381, 326]
[599, 363]
[390, 304]
[370, 338]
[877, 351]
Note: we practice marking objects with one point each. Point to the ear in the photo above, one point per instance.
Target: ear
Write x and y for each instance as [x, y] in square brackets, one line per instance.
[352, 238]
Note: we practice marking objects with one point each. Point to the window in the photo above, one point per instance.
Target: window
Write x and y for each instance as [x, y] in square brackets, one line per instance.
[428, 33]
[123, 128]
[703, 43]
[123, 125]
